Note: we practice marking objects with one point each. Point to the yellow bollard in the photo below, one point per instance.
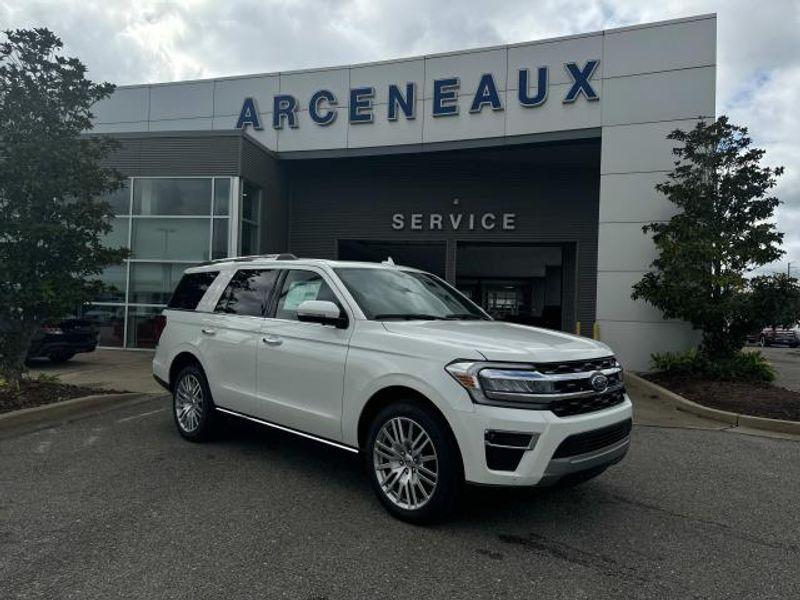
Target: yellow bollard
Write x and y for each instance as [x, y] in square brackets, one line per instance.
[595, 331]
[577, 327]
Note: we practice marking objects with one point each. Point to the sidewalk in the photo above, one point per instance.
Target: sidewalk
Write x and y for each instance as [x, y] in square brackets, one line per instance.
[124, 371]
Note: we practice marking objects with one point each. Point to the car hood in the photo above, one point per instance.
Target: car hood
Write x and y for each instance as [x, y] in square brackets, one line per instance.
[499, 341]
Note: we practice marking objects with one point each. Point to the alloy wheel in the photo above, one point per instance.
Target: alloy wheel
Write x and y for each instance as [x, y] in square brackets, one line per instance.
[405, 463]
[189, 403]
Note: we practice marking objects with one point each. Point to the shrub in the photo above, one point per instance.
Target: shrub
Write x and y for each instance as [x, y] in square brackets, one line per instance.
[742, 366]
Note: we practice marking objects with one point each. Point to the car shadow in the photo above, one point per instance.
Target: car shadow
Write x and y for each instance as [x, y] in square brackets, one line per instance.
[507, 508]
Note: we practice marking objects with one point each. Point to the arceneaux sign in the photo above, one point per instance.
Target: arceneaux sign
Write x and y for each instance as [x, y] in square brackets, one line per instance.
[401, 100]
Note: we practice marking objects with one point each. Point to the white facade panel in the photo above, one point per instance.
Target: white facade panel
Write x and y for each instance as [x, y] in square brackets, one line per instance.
[553, 115]
[230, 93]
[615, 289]
[380, 76]
[623, 247]
[632, 198]
[120, 127]
[198, 124]
[468, 67]
[665, 96]
[308, 136]
[465, 125]
[182, 100]
[661, 47]
[125, 105]
[639, 148]
[634, 341]
[303, 85]
[383, 132]
[554, 55]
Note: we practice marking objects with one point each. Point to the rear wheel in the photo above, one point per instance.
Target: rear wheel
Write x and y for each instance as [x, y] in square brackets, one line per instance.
[193, 407]
[413, 463]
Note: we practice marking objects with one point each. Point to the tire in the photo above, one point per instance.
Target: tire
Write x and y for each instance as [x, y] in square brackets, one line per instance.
[192, 405]
[570, 481]
[60, 356]
[428, 473]
[762, 341]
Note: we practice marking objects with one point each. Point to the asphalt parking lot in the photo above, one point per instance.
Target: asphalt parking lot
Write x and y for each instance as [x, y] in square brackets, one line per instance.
[116, 505]
[787, 365]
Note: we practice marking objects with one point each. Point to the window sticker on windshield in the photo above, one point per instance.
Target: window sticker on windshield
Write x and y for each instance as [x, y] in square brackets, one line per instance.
[299, 292]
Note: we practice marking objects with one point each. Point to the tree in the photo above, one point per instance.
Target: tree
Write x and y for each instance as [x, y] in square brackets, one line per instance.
[775, 300]
[52, 225]
[722, 232]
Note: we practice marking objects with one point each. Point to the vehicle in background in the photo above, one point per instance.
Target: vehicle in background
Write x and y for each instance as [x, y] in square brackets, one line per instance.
[774, 336]
[60, 342]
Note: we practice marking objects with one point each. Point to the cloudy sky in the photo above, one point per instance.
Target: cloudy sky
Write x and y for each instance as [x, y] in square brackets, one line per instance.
[144, 41]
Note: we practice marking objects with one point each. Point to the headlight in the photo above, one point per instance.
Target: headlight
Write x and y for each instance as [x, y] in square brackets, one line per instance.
[515, 381]
[491, 383]
[535, 387]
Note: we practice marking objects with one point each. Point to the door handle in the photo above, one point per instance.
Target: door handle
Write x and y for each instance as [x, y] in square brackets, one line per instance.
[272, 340]
[208, 331]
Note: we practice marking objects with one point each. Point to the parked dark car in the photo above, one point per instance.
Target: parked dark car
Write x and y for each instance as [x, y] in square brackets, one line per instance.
[61, 342]
[778, 336]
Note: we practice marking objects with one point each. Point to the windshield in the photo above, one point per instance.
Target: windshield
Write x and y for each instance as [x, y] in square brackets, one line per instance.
[386, 294]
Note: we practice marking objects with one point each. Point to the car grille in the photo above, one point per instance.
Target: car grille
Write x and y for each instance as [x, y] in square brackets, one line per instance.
[577, 366]
[579, 406]
[590, 441]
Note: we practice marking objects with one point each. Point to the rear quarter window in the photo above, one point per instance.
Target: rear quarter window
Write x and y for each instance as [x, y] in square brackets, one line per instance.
[191, 289]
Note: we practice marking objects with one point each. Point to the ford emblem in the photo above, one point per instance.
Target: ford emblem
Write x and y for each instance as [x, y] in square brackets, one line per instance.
[599, 382]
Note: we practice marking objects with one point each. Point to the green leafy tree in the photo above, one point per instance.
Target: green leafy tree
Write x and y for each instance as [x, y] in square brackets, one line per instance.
[52, 225]
[775, 300]
[722, 232]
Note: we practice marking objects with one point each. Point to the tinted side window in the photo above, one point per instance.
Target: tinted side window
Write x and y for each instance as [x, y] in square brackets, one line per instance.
[299, 286]
[247, 293]
[191, 289]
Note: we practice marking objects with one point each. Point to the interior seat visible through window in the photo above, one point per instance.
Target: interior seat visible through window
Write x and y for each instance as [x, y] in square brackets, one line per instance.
[299, 286]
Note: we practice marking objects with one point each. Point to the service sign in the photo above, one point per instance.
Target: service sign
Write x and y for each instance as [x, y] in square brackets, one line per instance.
[323, 104]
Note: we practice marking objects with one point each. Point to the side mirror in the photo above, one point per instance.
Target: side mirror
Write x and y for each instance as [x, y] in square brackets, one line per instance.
[323, 312]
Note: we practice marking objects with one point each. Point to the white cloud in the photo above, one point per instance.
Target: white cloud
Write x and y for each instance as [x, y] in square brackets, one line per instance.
[157, 40]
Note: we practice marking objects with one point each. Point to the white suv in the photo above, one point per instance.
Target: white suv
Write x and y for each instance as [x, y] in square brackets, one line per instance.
[396, 364]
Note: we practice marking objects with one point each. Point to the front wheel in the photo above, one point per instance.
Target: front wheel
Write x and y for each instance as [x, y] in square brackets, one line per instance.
[193, 407]
[413, 463]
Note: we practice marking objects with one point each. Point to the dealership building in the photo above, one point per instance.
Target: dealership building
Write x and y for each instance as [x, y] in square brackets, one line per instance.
[522, 174]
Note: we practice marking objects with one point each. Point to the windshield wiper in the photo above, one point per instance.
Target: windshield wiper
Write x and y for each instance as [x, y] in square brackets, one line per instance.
[408, 316]
[465, 317]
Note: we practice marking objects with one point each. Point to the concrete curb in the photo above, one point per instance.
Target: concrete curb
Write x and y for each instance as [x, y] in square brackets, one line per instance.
[635, 382]
[65, 408]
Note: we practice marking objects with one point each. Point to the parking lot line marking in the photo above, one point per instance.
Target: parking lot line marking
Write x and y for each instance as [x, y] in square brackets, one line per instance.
[139, 416]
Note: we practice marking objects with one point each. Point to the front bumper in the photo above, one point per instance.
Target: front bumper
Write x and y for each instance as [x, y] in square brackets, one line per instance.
[537, 465]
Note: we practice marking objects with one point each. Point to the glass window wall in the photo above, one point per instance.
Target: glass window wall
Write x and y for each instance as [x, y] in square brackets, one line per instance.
[169, 223]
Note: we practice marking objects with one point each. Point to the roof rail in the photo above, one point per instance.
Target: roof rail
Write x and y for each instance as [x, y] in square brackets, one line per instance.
[249, 257]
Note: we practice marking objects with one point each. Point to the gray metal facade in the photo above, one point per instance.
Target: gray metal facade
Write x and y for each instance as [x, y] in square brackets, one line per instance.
[310, 205]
